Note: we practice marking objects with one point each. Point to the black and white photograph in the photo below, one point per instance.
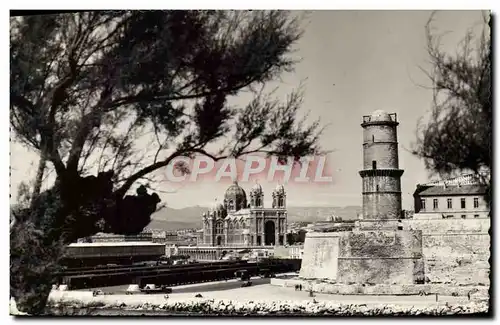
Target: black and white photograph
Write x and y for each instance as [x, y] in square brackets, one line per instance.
[256, 163]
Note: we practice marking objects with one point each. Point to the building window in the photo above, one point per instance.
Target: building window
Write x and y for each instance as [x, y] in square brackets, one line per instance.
[422, 204]
[373, 138]
[280, 202]
[377, 188]
[476, 203]
[462, 203]
[220, 228]
[230, 205]
[450, 203]
[476, 216]
[257, 202]
[374, 164]
[435, 204]
[464, 216]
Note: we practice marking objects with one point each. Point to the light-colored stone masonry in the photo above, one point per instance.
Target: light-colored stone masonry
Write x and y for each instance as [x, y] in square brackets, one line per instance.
[371, 257]
[456, 256]
[455, 251]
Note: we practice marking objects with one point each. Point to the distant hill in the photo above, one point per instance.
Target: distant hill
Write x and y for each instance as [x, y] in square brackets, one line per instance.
[173, 219]
[321, 213]
[190, 217]
[170, 219]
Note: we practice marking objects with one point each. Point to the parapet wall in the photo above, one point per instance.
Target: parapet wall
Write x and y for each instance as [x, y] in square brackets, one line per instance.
[433, 226]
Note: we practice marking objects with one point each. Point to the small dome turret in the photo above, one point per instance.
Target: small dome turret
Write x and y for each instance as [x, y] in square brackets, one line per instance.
[218, 210]
[256, 189]
[279, 189]
[279, 197]
[217, 206]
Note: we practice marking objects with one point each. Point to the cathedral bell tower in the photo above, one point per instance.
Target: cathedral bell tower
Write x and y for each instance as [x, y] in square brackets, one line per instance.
[279, 197]
[256, 196]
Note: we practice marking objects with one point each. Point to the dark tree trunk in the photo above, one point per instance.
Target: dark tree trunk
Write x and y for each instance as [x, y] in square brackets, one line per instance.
[39, 178]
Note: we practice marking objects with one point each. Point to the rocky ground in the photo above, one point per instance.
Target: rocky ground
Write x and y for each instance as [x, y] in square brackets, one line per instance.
[283, 308]
[228, 298]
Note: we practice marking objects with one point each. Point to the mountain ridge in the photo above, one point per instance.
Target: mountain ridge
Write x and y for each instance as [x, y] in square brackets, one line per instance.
[170, 219]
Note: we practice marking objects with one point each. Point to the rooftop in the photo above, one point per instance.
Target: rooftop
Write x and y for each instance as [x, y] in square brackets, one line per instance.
[453, 190]
[465, 179]
[379, 116]
[130, 243]
[241, 212]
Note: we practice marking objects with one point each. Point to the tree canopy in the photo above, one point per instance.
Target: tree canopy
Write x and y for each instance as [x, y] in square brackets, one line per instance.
[458, 136]
[86, 86]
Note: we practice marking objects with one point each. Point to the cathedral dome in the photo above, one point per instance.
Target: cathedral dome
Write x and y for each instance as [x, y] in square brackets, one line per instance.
[380, 116]
[237, 195]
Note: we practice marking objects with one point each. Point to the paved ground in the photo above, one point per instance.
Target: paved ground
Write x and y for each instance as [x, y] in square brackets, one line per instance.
[269, 292]
[263, 291]
[194, 288]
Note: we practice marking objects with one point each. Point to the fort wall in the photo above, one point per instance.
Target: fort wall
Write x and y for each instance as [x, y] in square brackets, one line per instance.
[456, 251]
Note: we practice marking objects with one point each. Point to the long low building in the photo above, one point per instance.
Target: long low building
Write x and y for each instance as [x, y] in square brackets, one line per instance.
[112, 238]
[113, 253]
[213, 253]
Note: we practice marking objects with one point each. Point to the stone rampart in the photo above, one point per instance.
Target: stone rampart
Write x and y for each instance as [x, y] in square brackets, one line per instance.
[373, 257]
[456, 251]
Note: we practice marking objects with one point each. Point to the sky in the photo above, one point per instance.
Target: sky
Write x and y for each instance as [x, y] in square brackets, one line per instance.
[351, 64]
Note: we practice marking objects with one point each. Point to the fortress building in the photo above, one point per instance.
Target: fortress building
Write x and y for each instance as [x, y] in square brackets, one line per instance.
[381, 174]
[238, 222]
[376, 250]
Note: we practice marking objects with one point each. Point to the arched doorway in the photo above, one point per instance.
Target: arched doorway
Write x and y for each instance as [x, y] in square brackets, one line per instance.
[219, 240]
[269, 233]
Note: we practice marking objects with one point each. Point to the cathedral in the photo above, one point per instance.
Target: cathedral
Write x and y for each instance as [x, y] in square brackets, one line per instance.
[238, 222]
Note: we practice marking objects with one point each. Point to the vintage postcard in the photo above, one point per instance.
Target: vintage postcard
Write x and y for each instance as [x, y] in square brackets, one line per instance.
[250, 163]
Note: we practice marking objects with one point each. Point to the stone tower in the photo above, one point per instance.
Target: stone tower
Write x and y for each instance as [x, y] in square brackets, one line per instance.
[381, 174]
[378, 250]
